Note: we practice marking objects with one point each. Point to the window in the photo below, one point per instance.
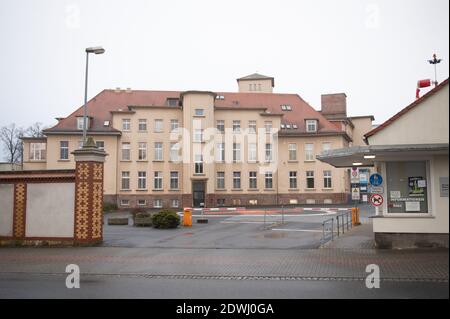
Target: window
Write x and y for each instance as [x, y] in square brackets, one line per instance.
[309, 179]
[173, 180]
[252, 152]
[37, 151]
[174, 125]
[236, 126]
[126, 124]
[406, 186]
[327, 179]
[198, 135]
[326, 146]
[175, 203]
[80, 144]
[236, 152]
[311, 125]
[236, 180]
[250, 87]
[158, 156]
[158, 126]
[141, 202]
[174, 152]
[158, 180]
[142, 125]
[268, 152]
[309, 152]
[220, 125]
[292, 149]
[285, 107]
[292, 180]
[252, 180]
[268, 126]
[157, 203]
[142, 180]
[80, 122]
[124, 202]
[268, 180]
[125, 185]
[220, 180]
[172, 102]
[221, 202]
[126, 151]
[198, 165]
[100, 145]
[106, 123]
[142, 153]
[63, 150]
[199, 112]
[220, 152]
[252, 127]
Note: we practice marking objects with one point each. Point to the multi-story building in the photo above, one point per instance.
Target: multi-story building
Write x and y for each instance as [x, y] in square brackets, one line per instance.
[201, 148]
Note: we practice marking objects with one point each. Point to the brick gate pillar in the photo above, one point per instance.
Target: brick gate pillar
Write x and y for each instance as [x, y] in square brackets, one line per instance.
[88, 226]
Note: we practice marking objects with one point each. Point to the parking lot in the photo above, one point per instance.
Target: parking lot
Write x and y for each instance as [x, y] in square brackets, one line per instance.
[294, 229]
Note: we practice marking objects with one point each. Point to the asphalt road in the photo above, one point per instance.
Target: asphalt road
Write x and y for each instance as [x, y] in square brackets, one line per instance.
[91, 287]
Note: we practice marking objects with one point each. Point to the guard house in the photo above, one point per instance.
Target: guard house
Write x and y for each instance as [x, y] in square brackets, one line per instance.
[410, 152]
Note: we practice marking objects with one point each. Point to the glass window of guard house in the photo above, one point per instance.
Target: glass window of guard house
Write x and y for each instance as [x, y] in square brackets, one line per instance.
[407, 187]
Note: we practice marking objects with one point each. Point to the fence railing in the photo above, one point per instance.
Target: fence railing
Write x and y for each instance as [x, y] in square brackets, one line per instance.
[335, 226]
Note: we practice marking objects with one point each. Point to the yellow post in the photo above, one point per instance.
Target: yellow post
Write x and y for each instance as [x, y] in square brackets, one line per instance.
[357, 217]
[187, 217]
[353, 216]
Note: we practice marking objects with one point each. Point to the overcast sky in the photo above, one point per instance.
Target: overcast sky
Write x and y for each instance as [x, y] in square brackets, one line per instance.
[374, 51]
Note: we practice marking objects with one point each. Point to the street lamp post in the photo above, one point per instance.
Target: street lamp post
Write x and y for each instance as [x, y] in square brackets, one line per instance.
[96, 50]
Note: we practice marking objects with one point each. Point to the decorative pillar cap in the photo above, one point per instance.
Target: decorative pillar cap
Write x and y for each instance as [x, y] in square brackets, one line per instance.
[89, 152]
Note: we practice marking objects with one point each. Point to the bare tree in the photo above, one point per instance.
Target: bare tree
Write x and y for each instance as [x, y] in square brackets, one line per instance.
[35, 130]
[10, 138]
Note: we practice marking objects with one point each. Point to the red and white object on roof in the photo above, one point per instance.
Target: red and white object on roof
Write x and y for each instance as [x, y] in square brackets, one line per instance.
[422, 84]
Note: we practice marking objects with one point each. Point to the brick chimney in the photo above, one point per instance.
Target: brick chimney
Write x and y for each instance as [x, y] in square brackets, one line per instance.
[334, 106]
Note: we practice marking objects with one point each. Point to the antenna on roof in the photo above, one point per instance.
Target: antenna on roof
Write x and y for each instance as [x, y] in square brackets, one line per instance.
[435, 61]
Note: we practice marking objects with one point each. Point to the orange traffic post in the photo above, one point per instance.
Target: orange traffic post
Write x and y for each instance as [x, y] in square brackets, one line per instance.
[355, 216]
[187, 217]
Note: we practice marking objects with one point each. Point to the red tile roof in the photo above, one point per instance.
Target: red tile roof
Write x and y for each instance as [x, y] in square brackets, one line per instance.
[100, 107]
[406, 109]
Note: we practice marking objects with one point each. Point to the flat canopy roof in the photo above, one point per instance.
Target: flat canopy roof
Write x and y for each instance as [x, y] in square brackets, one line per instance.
[345, 157]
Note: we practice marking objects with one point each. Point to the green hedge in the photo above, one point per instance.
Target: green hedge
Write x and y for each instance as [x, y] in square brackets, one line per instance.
[108, 207]
[166, 219]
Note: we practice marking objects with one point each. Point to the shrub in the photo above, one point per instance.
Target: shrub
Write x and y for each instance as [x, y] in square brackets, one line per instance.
[108, 207]
[165, 219]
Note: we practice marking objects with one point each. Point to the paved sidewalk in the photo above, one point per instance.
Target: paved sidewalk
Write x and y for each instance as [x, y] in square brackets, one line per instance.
[358, 237]
[287, 264]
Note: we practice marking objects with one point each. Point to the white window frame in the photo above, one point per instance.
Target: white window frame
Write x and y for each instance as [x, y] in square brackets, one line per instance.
[142, 125]
[174, 179]
[236, 152]
[124, 202]
[293, 180]
[268, 152]
[175, 203]
[98, 143]
[252, 127]
[142, 151]
[309, 152]
[268, 179]
[143, 204]
[311, 126]
[198, 164]
[327, 179]
[125, 176]
[220, 180]
[142, 180]
[126, 125]
[159, 125]
[309, 176]
[199, 112]
[236, 126]
[174, 125]
[157, 203]
[174, 152]
[158, 180]
[220, 152]
[237, 180]
[253, 179]
[268, 125]
[38, 151]
[326, 148]
[252, 155]
[126, 149]
[158, 151]
[292, 150]
[220, 126]
[64, 150]
[80, 123]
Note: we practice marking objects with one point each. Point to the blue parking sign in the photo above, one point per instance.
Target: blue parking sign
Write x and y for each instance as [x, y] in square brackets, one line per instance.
[376, 179]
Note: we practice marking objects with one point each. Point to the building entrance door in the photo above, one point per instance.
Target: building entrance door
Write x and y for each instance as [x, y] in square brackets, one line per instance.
[198, 192]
